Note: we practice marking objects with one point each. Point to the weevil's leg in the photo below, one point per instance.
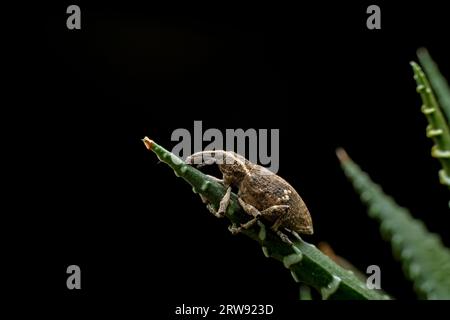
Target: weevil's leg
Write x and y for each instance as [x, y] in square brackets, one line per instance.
[224, 202]
[277, 213]
[211, 209]
[294, 233]
[251, 210]
[235, 230]
[274, 212]
[250, 223]
[275, 227]
[282, 236]
[277, 224]
[204, 200]
[209, 206]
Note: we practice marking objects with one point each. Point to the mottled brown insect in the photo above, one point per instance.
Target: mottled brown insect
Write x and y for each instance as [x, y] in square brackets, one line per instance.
[262, 194]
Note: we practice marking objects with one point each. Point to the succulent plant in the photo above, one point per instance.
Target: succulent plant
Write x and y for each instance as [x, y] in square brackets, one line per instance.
[425, 260]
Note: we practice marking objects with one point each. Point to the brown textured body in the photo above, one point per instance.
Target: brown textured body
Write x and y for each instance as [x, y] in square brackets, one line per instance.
[263, 189]
[272, 197]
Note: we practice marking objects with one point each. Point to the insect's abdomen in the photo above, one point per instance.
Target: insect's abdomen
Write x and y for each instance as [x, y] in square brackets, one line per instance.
[300, 219]
[264, 191]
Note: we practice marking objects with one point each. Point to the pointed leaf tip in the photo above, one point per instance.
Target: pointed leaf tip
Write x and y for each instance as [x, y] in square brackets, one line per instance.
[342, 155]
[422, 52]
[414, 65]
[148, 143]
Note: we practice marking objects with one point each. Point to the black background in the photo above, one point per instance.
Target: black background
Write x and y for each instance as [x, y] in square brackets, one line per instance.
[97, 198]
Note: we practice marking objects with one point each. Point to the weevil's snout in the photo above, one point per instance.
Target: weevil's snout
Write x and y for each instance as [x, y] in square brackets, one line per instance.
[198, 160]
[193, 161]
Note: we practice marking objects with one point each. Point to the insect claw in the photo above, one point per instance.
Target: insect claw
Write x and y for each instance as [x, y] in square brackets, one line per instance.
[213, 211]
[210, 208]
[233, 229]
[219, 214]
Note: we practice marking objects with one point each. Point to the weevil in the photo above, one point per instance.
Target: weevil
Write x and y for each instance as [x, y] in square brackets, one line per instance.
[261, 194]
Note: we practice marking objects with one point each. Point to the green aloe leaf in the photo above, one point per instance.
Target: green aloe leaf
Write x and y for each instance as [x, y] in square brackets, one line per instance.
[438, 81]
[306, 263]
[437, 124]
[425, 260]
